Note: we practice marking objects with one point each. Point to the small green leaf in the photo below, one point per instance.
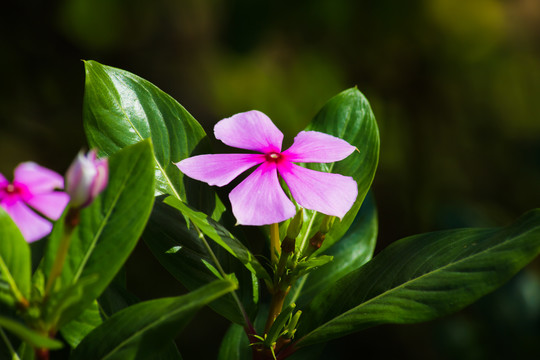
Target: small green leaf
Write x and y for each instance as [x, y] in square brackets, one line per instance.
[30, 336]
[347, 116]
[15, 262]
[141, 330]
[422, 277]
[109, 228]
[221, 236]
[278, 325]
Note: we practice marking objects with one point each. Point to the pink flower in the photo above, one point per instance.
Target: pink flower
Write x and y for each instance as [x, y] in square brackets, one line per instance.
[33, 186]
[86, 178]
[259, 199]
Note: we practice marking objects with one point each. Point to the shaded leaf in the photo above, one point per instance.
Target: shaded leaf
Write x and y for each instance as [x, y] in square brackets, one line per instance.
[422, 277]
[141, 330]
[75, 330]
[180, 250]
[235, 345]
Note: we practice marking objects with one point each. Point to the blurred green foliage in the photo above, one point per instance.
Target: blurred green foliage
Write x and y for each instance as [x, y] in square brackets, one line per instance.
[454, 85]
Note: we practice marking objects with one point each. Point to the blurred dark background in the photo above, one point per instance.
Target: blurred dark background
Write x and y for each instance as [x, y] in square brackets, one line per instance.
[454, 84]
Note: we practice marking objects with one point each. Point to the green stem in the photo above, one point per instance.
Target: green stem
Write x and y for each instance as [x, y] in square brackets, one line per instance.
[70, 222]
[275, 248]
[14, 355]
[276, 305]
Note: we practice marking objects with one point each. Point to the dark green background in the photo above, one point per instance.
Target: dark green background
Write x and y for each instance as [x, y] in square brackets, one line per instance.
[454, 84]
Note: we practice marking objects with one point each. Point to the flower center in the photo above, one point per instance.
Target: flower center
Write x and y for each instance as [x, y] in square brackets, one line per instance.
[273, 156]
[11, 190]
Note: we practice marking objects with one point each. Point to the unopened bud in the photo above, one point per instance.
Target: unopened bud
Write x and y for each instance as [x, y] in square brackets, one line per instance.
[86, 178]
[296, 225]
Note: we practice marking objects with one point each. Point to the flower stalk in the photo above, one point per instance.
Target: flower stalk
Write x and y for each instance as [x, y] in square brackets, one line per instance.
[275, 249]
[71, 221]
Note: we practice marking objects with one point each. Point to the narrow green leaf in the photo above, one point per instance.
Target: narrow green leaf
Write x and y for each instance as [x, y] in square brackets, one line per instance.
[221, 236]
[347, 116]
[141, 330]
[30, 336]
[15, 262]
[422, 277]
[109, 228]
[167, 230]
[278, 325]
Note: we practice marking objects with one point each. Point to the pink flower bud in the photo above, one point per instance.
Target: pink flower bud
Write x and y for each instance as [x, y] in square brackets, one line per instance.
[86, 178]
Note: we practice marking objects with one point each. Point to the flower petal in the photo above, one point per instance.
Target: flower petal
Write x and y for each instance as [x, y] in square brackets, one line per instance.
[218, 169]
[37, 178]
[32, 226]
[50, 204]
[3, 180]
[330, 194]
[314, 146]
[260, 200]
[250, 130]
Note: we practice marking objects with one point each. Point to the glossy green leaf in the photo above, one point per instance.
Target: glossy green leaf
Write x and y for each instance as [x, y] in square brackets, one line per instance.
[221, 236]
[180, 250]
[347, 116]
[121, 109]
[15, 262]
[30, 336]
[350, 253]
[422, 277]
[108, 229]
[141, 330]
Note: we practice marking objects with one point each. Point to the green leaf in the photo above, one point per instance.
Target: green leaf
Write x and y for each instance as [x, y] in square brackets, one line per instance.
[422, 277]
[108, 229]
[121, 109]
[116, 297]
[347, 116]
[350, 253]
[141, 330]
[15, 262]
[235, 345]
[221, 236]
[30, 336]
[180, 250]
[75, 330]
